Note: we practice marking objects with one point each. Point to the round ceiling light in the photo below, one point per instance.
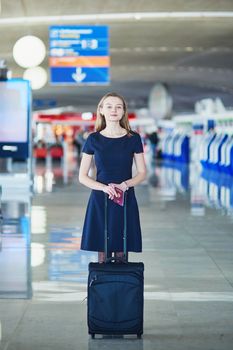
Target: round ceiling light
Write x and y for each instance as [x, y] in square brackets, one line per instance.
[37, 77]
[29, 51]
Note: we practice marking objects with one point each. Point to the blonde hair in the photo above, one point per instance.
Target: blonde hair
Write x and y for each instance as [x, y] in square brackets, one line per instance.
[100, 119]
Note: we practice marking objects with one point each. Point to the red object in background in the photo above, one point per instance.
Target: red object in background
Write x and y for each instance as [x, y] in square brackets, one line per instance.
[67, 125]
[131, 115]
[56, 152]
[69, 117]
[41, 153]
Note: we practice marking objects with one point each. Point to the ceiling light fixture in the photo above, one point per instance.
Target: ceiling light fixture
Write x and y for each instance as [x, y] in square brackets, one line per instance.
[189, 49]
[163, 49]
[29, 51]
[37, 77]
[116, 16]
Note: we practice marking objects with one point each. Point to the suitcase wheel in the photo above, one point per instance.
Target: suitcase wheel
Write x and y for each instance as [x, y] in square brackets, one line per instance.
[139, 335]
[92, 335]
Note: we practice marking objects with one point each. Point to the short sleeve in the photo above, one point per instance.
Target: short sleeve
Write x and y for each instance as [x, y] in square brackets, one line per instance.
[138, 147]
[88, 147]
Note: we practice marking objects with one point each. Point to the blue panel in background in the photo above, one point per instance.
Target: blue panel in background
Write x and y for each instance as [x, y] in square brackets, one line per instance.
[87, 75]
[39, 103]
[78, 41]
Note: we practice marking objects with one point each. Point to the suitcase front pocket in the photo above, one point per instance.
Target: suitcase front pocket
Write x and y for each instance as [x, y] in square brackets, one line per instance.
[115, 300]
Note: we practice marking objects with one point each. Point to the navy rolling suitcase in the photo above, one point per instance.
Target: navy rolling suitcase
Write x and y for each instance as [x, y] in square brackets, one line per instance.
[115, 294]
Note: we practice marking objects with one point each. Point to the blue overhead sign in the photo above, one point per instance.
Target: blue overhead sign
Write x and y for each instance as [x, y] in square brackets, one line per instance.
[79, 55]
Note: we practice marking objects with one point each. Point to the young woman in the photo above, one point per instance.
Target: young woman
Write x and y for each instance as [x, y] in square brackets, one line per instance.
[114, 147]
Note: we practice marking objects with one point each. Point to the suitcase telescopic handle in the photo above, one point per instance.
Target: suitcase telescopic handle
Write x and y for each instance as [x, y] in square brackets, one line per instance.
[119, 259]
[116, 259]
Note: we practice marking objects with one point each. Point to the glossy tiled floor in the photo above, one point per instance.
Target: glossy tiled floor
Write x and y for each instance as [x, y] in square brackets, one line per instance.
[187, 227]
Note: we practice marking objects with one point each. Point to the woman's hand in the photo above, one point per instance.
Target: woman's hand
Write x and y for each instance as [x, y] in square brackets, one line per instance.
[110, 190]
[123, 186]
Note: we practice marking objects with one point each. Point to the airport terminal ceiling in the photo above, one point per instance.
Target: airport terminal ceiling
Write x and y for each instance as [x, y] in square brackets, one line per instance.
[193, 56]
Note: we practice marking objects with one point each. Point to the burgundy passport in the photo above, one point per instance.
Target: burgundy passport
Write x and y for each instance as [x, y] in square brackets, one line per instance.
[119, 199]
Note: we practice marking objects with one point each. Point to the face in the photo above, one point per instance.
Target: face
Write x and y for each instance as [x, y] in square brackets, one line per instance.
[112, 109]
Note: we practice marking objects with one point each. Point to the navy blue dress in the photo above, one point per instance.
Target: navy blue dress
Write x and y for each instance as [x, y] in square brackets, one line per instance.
[113, 159]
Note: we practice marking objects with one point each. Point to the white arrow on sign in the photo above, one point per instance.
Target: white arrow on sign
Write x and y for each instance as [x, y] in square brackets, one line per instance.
[78, 76]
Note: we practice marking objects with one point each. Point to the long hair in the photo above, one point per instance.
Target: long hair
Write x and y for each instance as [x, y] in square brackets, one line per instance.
[100, 119]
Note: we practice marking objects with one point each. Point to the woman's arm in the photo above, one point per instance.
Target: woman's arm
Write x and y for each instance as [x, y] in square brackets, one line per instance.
[83, 173]
[141, 171]
[88, 181]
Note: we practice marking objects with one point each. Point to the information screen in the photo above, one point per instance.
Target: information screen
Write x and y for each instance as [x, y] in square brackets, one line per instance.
[14, 118]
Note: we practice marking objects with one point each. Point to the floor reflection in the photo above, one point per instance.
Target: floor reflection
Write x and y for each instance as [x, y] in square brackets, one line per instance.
[174, 179]
[53, 260]
[66, 261]
[15, 254]
[206, 188]
[116, 343]
[218, 190]
[49, 173]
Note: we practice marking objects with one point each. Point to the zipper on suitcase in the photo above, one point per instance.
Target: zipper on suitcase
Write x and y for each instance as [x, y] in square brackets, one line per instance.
[100, 280]
[107, 273]
[93, 280]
